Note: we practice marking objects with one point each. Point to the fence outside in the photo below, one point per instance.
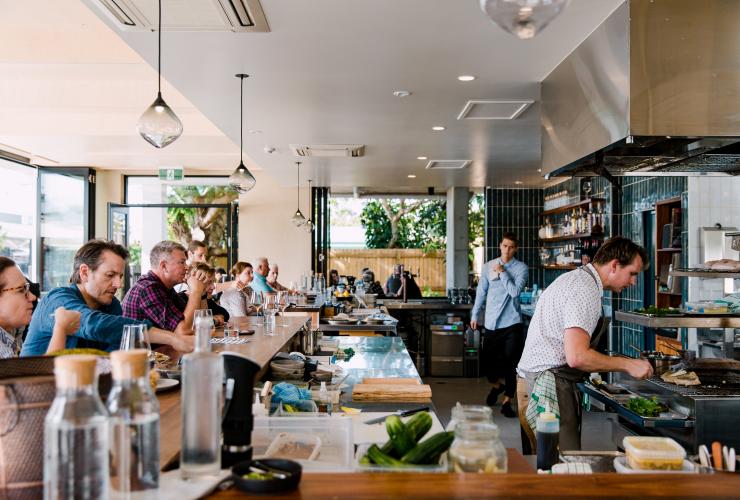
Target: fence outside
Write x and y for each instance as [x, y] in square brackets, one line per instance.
[429, 267]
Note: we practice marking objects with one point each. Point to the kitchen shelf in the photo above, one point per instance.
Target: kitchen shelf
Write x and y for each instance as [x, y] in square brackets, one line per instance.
[669, 249]
[556, 267]
[706, 321]
[581, 236]
[670, 293]
[565, 208]
[705, 274]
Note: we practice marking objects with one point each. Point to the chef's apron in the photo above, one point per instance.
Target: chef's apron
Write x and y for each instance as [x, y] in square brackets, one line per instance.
[569, 397]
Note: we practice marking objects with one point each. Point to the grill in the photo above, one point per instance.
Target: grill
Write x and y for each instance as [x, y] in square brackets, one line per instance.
[702, 391]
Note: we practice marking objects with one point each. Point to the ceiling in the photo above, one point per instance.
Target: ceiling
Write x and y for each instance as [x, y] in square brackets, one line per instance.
[74, 86]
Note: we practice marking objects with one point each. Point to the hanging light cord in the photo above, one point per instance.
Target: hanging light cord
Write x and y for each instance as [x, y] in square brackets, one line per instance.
[298, 185]
[159, 53]
[241, 121]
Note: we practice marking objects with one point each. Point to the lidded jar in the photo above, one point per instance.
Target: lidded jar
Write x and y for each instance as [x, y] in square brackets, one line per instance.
[477, 448]
[469, 413]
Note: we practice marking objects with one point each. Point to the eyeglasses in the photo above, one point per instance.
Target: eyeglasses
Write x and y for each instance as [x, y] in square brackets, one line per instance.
[25, 288]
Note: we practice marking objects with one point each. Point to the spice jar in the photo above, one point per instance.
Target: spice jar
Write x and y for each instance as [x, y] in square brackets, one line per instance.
[477, 448]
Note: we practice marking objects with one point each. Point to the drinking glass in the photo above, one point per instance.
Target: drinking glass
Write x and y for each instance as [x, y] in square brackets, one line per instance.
[135, 337]
[202, 318]
[283, 301]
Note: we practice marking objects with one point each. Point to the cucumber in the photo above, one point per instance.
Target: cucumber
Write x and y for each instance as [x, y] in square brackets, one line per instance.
[430, 449]
[402, 439]
[418, 425]
[378, 457]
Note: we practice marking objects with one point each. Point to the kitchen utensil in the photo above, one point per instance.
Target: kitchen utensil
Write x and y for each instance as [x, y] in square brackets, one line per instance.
[400, 413]
[717, 455]
[704, 456]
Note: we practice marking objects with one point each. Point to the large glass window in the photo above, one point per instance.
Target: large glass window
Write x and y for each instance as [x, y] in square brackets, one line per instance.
[18, 215]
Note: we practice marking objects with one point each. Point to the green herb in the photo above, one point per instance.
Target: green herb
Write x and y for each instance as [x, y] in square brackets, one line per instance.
[646, 407]
[259, 476]
[657, 311]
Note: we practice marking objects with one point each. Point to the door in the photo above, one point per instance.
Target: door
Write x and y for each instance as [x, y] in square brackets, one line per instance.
[66, 208]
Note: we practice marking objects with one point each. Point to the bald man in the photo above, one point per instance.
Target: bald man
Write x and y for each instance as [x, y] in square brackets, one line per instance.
[261, 270]
[272, 279]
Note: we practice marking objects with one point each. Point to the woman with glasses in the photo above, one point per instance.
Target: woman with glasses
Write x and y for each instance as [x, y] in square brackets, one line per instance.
[16, 309]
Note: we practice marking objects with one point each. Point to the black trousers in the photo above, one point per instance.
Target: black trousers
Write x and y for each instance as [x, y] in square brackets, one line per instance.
[501, 351]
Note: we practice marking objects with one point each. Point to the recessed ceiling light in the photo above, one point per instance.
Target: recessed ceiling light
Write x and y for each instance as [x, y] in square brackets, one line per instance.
[466, 78]
[438, 128]
[411, 176]
[518, 182]
[421, 157]
[401, 93]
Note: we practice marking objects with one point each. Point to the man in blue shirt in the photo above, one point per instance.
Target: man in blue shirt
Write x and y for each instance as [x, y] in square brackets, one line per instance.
[500, 284]
[261, 270]
[97, 276]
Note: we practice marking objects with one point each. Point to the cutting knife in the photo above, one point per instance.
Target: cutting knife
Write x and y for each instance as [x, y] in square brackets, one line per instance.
[400, 413]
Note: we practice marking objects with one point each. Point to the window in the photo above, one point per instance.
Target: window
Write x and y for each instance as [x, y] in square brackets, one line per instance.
[18, 215]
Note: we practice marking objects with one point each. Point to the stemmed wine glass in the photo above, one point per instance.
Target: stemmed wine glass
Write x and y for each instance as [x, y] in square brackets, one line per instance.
[270, 307]
[283, 301]
[135, 337]
[255, 299]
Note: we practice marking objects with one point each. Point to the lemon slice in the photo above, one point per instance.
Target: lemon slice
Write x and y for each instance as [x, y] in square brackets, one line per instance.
[351, 411]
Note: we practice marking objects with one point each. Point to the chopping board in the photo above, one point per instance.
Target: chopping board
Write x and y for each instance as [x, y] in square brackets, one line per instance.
[392, 381]
[392, 392]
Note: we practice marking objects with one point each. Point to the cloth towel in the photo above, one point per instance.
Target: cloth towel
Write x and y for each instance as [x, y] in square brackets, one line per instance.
[543, 392]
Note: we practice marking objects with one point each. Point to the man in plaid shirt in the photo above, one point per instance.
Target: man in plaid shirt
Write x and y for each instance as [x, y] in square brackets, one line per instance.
[153, 297]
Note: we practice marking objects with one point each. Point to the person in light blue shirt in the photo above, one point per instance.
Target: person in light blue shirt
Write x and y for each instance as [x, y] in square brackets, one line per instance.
[261, 270]
[497, 310]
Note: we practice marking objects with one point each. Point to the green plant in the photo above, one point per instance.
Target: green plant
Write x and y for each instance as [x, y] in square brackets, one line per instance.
[400, 223]
[134, 253]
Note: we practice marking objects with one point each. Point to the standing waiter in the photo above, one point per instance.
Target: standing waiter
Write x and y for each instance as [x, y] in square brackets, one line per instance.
[566, 326]
[500, 284]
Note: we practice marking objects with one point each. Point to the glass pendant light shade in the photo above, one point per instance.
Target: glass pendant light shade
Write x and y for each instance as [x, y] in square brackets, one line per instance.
[242, 179]
[159, 125]
[308, 225]
[523, 18]
[298, 219]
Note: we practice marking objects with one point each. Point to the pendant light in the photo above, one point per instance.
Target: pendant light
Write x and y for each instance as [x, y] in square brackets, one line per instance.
[242, 179]
[523, 18]
[159, 125]
[308, 226]
[298, 219]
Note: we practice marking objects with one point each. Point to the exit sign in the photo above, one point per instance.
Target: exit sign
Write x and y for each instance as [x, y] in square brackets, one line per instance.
[171, 174]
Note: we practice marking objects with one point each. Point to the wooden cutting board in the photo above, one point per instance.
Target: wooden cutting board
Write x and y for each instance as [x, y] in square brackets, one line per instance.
[392, 381]
[392, 392]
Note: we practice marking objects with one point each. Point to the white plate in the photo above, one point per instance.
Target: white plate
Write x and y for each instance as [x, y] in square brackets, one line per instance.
[620, 465]
[340, 322]
[164, 384]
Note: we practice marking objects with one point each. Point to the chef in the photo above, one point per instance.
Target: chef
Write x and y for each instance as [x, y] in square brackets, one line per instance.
[568, 321]
[502, 280]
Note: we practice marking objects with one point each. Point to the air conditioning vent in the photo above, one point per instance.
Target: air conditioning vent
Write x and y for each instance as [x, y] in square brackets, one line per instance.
[328, 150]
[493, 109]
[447, 164]
[186, 15]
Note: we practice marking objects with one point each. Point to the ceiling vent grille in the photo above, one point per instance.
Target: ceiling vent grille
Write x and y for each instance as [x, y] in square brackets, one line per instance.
[493, 109]
[186, 15]
[447, 164]
[328, 150]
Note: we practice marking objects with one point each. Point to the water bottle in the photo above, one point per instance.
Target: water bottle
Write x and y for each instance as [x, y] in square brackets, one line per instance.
[76, 433]
[548, 437]
[134, 412]
[202, 379]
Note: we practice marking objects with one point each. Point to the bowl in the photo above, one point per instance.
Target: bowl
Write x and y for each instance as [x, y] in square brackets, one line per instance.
[275, 485]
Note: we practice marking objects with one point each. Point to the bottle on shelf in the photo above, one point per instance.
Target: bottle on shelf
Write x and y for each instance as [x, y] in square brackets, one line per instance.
[76, 433]
[134, 412]
[202, 378]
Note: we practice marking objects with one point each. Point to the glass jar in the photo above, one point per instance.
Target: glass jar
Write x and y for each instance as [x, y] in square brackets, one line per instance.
[477, 448]
[469, 413]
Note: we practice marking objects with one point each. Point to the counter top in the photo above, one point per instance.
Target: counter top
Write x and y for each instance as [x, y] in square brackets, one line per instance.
[424, 305]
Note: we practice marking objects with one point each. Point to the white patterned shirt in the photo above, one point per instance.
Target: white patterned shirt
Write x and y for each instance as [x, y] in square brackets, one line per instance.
[573, 300]
[8, 345]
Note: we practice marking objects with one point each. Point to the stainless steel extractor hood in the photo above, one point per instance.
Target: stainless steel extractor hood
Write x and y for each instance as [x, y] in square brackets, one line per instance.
[655, 89]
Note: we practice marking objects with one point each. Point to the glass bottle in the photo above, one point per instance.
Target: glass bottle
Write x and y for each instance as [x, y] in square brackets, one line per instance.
[202, 379]
[76, 433]
[469, 413]
[134, 411]
[477, 448]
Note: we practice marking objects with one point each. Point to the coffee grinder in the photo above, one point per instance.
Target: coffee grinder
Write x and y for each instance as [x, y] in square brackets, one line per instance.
[237, 422]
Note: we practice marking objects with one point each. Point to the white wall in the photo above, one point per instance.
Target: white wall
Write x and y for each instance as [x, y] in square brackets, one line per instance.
[108, 188]
[265, 228]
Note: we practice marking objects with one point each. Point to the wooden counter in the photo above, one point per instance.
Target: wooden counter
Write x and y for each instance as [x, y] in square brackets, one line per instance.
[399, 485]
[260, 349]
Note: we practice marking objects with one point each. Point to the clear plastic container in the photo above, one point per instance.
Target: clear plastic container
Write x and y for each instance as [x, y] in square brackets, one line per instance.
[653, 453]
[442, 466]
[333, 433]
[706, 307]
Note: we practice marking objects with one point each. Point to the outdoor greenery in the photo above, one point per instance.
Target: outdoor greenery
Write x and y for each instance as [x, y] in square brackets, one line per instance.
[476, 224]
[400, 223]
[209, 224]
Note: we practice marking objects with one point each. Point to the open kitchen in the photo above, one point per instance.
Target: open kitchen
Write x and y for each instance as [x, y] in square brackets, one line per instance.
[346, 253]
